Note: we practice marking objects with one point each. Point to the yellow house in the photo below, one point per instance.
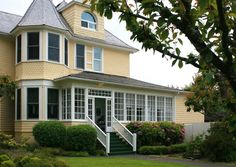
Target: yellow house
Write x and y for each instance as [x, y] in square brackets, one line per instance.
[69, 68]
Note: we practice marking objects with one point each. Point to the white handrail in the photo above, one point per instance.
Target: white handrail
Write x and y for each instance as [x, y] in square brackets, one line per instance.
[125, 133]
[101, 136]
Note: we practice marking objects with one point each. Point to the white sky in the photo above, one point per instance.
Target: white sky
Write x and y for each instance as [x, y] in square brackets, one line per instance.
[145, 66]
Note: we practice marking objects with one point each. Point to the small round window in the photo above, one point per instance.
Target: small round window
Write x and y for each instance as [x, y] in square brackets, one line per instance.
[88, 21]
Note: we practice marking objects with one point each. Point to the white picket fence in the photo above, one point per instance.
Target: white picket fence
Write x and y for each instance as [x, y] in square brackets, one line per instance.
[195, 129]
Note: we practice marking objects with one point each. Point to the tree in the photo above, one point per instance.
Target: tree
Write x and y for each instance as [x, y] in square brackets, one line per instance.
[7, 87]
[211, 96]
[209, 25]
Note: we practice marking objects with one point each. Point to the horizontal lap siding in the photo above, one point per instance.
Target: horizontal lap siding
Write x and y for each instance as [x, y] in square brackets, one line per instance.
[182, 116]
[7, 56]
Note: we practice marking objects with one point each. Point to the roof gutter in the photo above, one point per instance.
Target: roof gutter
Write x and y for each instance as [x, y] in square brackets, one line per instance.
[113, 83]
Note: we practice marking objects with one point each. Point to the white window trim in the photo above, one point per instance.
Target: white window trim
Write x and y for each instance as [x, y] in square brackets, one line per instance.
[89, 22]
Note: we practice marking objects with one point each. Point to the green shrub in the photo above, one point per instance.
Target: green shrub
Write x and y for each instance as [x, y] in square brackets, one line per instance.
[81, 138]
[75, 154]
[7, 142]
[155, 150]
[220, 144]
[59, 163]
[194, 148]
[50, 134]
[3, 158]
[161, 150]
[157, 133]
[8, 163]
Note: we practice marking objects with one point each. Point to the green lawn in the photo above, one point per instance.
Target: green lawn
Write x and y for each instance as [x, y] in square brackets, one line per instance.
[116, 162]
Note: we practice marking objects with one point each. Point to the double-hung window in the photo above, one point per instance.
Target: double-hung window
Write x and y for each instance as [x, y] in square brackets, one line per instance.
[33, 45]
[53, 104]
[18, 51]
[33, 103]
[97, 59]
[66, 52]
[53, 47]
[80, 54]
[18, 104]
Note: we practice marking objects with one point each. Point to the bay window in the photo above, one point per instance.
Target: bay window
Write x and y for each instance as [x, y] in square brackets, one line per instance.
[66, 104]
[33, 45]
[53, 47]
[33, 103]
[119, 106]
[66, 52]
[18, 104]
[79, 103]
[18, 49]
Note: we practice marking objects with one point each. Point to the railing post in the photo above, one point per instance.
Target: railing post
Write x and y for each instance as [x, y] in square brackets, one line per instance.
[134, 142]
[108, 143]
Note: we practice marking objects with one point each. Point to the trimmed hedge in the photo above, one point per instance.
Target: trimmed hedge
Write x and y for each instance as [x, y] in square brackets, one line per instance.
[157, 133]
[50, 133]
[81, 138]
[161, 150]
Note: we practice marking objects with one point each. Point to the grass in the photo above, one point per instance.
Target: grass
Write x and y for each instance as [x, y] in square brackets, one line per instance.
[116, 162]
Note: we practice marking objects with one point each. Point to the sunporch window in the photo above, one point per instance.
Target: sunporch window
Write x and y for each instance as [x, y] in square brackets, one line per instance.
[119, 106]
[130, 107]
[160, 108]
[140, 107]
[66, 104]
[33, 45]
[79, 103]
[33, 103]
[53, 104]
[151, 108]
[169, 109]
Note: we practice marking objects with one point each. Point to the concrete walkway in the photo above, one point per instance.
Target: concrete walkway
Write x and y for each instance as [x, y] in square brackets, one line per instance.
[179, 160]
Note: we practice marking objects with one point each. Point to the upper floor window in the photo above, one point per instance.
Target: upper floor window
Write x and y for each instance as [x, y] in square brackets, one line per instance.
[97, 59]
[66, 52]
[53, 47]
[88, 21]
[80, 53]
[18, 53]
[33, 45]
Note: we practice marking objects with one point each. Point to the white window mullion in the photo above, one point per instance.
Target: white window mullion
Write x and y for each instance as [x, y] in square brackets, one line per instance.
[146, 108]
[155, 109]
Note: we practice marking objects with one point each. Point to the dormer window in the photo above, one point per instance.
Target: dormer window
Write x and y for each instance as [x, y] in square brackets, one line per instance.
[88, 21]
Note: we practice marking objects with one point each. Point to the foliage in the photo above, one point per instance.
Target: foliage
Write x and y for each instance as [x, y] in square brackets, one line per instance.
[7, 142]
[81, 138]
[50, 133]
[8, 163]
[7, 86]
[162, 25]
[157, 133]
[75, 154]
[194, 149]
[3, 158]
[220, 144]
[162, 150]
[210, 97]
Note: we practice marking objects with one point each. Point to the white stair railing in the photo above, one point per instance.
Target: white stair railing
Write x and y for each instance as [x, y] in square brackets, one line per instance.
[103, 138]
[131, 138]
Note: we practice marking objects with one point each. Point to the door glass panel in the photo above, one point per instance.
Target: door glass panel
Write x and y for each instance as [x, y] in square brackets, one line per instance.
[108, 106]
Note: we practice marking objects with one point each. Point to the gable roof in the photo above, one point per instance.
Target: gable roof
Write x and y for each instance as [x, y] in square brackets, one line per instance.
[8, 22]
[116, 80]
[42, 12]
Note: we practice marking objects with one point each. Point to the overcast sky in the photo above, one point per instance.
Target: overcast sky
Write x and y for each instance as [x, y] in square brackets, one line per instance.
[145, 66]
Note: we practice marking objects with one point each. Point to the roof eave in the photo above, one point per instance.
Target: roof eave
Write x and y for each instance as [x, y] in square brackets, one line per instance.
[113, 83]
[72, 3]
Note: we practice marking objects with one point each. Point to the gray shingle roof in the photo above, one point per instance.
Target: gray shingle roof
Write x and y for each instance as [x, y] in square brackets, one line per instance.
[117, 80]
[8, 21]
[42, 12]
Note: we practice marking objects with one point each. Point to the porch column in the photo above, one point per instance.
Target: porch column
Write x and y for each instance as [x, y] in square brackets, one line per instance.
[86, 102]
[73, 103]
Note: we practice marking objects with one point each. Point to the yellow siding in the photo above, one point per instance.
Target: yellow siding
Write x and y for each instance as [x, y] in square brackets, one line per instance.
[182, 116]
[7, 56]
[73, 17]
[116, 62]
